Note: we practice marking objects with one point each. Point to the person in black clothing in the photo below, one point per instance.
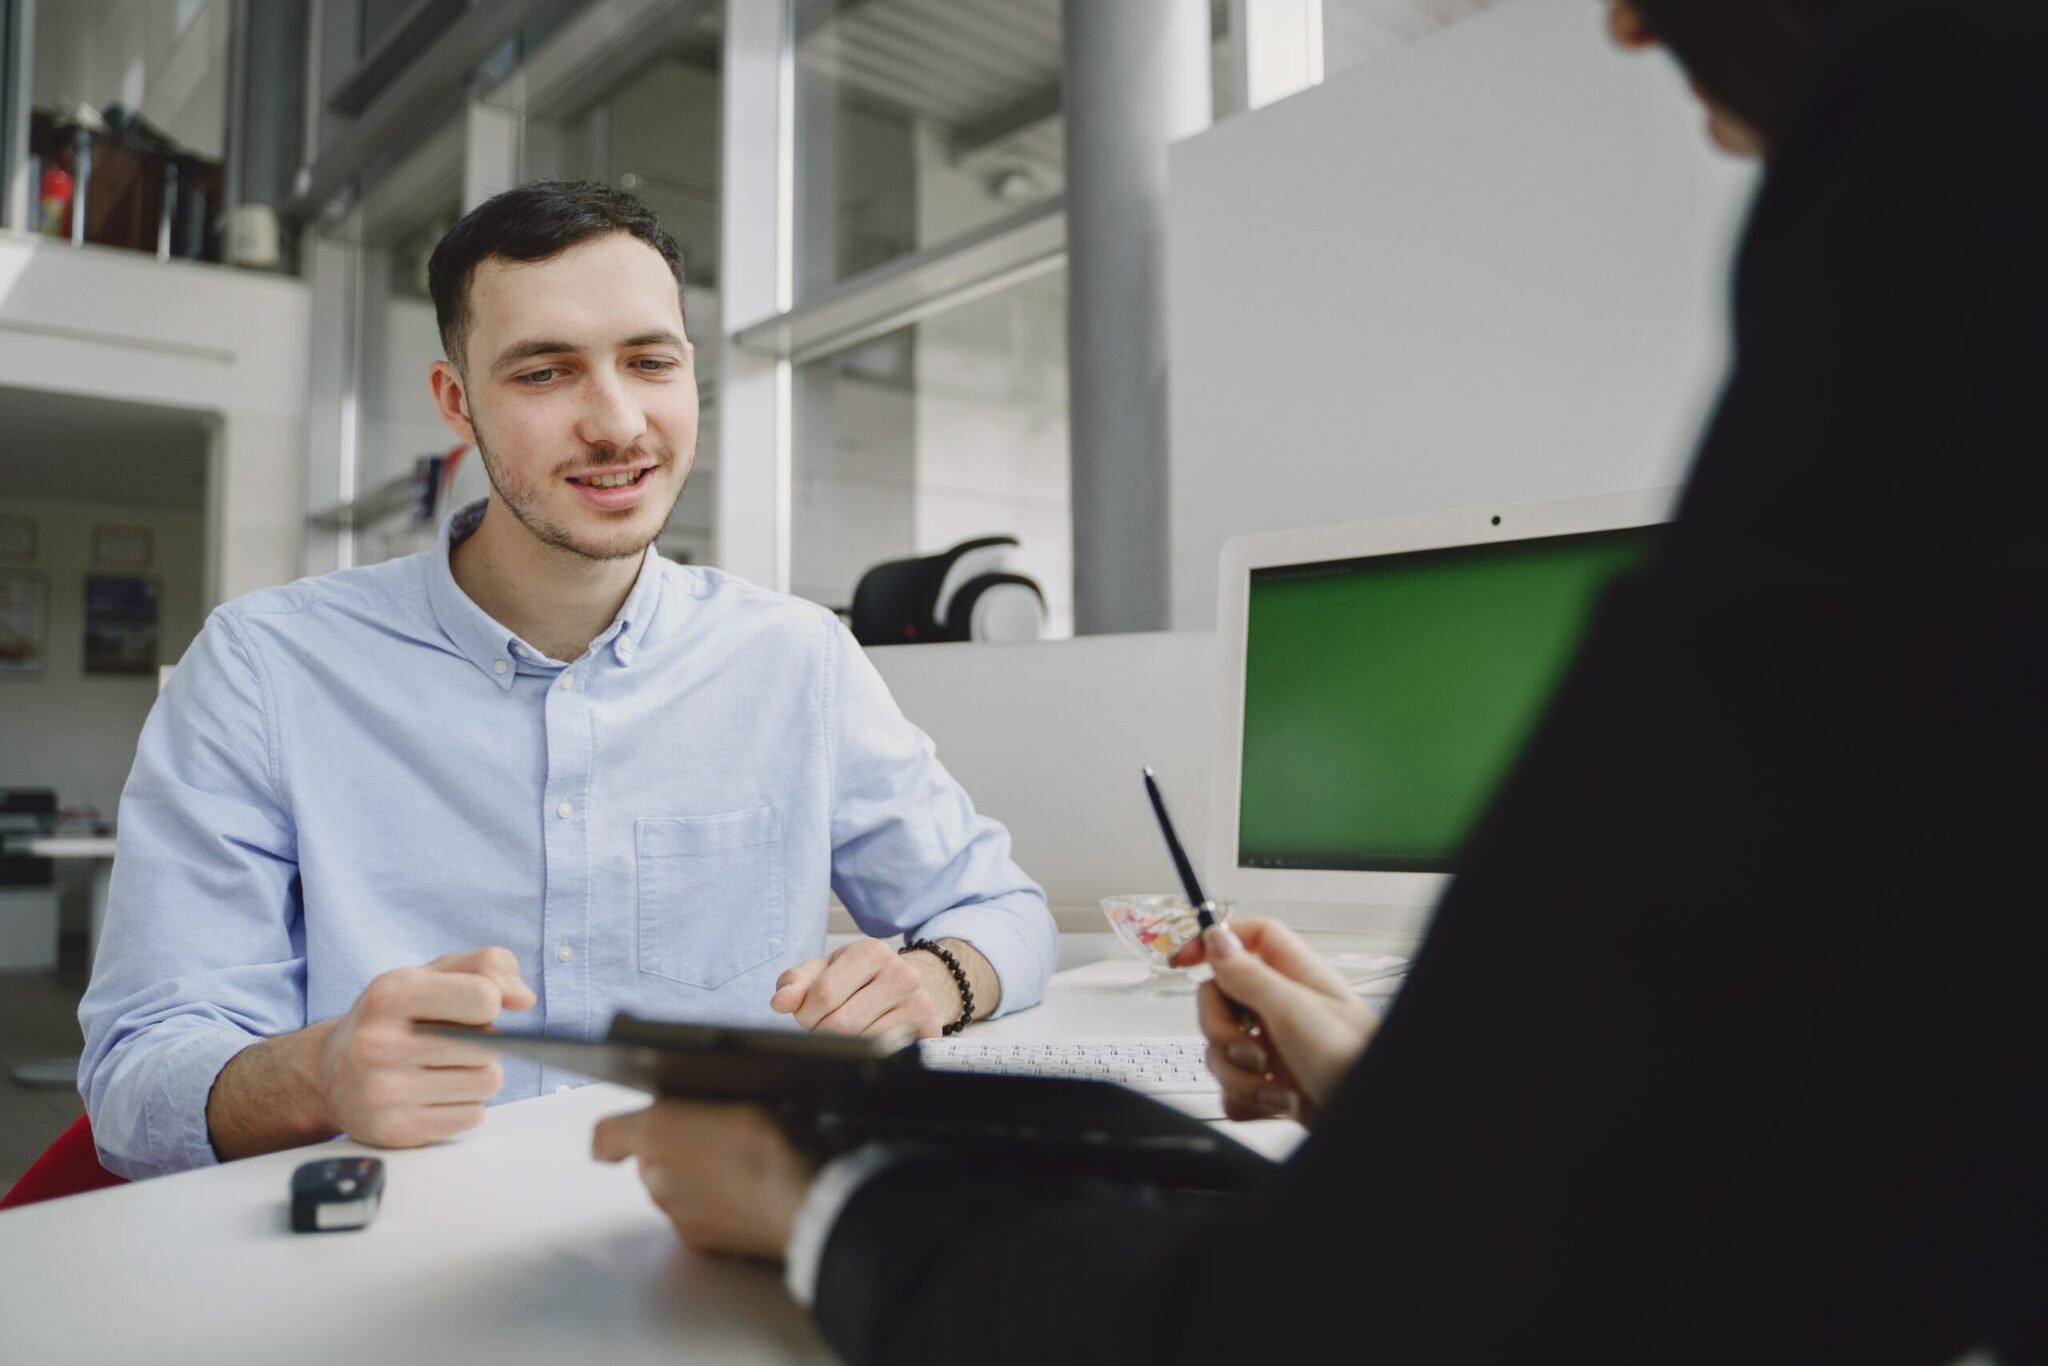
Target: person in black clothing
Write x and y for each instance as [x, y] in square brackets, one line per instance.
[1726, 1043]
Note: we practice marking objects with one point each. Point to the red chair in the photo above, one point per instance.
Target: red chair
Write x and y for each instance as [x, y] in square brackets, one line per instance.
[70, 1166]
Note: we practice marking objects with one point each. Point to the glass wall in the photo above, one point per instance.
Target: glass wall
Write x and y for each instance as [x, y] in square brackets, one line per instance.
[921, 128]
[950, 428]
[918, 121]
[408, 202]
[652, 129]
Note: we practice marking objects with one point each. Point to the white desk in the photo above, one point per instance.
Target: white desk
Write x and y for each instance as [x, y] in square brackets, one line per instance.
[508, 1245]
[97, 848]
[61, 1074]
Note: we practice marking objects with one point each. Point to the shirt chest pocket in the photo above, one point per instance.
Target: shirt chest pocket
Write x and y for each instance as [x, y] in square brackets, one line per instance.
[710, 894]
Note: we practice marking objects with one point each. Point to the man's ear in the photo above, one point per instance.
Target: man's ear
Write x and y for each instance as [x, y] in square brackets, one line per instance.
[451, 400]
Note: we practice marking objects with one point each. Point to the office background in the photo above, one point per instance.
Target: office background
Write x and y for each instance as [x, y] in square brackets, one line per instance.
[1398, 256]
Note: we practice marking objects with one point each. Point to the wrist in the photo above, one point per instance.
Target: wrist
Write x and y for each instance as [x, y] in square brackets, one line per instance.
[937, 981]
[304, 1068]
[955, 998]
[271, 1096]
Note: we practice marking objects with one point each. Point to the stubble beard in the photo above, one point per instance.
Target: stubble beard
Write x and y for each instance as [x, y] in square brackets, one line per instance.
[523, 501]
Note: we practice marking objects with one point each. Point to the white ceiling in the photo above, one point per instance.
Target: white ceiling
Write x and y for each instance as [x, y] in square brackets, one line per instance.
[69, 446]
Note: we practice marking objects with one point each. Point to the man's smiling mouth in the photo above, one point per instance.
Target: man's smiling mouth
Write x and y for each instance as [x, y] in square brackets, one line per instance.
[612, 481]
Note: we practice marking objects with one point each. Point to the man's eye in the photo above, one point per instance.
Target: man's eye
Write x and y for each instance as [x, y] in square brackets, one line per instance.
[652, 364]
[538, 376]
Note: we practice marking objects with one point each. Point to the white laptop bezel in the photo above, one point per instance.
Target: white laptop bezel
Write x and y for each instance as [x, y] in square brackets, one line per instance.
[1481, 525]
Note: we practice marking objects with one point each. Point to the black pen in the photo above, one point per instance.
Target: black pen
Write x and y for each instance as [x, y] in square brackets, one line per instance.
[1205, 909]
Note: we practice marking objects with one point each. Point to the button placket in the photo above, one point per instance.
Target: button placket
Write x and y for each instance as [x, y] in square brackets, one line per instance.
[565, 905]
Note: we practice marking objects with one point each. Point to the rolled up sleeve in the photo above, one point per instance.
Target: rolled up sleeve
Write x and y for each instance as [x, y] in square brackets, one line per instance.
[910, 854]
[202, 952]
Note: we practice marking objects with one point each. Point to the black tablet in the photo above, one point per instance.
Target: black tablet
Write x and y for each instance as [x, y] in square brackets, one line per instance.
[834, 1092]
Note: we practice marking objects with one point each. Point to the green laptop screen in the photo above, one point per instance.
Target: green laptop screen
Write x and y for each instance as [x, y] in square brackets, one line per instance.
[1385, 697]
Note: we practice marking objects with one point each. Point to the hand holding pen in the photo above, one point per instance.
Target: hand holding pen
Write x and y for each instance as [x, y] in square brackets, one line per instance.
[1191, 885]
[1283, 1028]
[1307, 1027]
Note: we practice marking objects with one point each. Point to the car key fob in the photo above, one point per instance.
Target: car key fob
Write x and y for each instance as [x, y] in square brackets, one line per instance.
[336, 1193]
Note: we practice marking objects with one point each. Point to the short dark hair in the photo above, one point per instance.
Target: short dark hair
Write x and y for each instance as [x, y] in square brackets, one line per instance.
[532, 223]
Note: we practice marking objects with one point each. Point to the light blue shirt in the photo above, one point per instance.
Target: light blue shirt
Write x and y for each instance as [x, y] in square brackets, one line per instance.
[364, 771]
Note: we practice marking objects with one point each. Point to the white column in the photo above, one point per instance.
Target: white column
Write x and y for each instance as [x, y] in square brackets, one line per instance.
[333, 279]
[755, 253]
[1276, 49]
[1137, 79]
[490, 160]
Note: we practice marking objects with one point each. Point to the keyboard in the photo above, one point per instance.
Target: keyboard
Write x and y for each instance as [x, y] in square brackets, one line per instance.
[1170, 1068]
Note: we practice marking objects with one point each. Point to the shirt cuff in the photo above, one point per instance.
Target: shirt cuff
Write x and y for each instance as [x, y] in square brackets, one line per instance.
[153, 1122]
[836, 1184]
[1021, 952]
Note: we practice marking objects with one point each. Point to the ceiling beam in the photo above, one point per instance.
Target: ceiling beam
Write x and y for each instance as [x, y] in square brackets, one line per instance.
[1040, 106]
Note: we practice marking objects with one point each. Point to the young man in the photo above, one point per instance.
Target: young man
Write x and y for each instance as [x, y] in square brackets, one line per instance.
[1726, 1045]
[533, 777]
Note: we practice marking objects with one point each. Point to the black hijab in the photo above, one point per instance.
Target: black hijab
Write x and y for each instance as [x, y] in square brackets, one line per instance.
[1754, 56]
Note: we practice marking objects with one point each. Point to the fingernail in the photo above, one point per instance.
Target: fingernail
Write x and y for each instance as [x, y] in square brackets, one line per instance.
[1249, 1056]
[1223, 942]
[1275, 1101]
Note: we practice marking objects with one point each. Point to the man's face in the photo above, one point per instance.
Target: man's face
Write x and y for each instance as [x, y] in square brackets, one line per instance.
[579, 390]
[1729, 132]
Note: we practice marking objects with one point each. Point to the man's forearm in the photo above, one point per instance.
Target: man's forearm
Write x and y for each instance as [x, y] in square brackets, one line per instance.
[940, 986]
[269, 1098]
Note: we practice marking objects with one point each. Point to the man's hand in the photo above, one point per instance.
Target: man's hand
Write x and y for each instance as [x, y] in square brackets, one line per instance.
[390, 1085]
[1310, 1028]
[866, 988]
[725, 1175]
[370, 1074]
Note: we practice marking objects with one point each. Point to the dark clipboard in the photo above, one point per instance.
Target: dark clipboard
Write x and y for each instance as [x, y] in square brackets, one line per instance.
[836, 1092]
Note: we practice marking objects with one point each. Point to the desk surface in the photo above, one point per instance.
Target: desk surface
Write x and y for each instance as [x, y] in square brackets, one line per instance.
[507, 1245]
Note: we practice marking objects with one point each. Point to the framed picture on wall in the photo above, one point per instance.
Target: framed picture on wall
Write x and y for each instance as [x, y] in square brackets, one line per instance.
[24, 622]
[17, 538]
[122, 545]
[120, 625]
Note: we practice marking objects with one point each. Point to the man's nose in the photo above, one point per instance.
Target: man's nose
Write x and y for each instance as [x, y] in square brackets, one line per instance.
[610, 417]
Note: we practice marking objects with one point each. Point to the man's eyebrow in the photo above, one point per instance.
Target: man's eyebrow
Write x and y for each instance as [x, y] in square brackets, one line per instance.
[545, 346]
[526, 350]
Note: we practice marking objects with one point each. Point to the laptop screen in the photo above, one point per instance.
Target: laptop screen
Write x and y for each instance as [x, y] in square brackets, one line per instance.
[1386, 697]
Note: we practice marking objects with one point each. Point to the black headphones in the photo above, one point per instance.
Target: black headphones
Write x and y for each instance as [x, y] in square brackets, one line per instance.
[965, 593]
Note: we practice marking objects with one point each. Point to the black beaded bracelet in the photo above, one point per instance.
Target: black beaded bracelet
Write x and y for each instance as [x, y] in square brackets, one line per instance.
[945, 955]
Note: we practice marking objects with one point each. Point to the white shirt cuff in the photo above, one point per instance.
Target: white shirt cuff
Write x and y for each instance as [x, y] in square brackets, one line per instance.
[836, 1184]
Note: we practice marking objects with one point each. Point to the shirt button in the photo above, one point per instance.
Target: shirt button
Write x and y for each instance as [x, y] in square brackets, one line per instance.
[564, 953]
[499, 666]
[563, 1089]
[563, 810]
[567, 681]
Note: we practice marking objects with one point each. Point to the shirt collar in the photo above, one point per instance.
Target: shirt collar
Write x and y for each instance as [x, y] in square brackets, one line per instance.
[636, 614]
[496, 651]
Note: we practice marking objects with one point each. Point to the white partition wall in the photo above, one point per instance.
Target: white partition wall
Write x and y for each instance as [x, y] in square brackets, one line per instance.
[1050, 738]
[105, 323]
[1490, 265]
